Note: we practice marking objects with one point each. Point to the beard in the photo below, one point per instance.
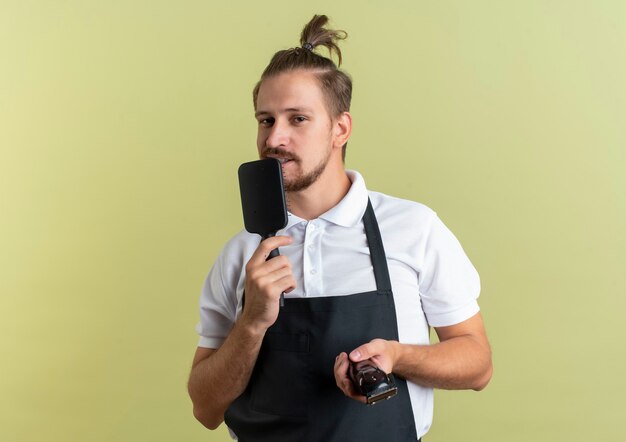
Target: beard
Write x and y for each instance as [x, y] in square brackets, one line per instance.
[304, 180]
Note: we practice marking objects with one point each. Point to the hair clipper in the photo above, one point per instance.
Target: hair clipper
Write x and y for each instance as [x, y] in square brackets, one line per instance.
[372, 382]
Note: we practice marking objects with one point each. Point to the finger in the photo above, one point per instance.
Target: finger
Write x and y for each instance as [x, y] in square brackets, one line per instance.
[286, 284]
[273, 284]
[341, 372]
[342, 365]
[266, 246]
[366, 351]
[338, 360]
[343, 380]
[350, 391]
[276, 267]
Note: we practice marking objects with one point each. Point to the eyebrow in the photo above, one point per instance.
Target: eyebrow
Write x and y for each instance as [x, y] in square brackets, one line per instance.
[289, 109]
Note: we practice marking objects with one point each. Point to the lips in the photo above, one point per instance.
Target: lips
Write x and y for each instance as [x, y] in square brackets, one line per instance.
[280, 154]
[283, 160]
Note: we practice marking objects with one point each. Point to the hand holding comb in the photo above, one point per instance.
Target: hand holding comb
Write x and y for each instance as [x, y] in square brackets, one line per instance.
[263, 200]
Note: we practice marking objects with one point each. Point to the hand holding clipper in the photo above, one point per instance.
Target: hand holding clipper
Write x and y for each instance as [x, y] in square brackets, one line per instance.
[371, 381]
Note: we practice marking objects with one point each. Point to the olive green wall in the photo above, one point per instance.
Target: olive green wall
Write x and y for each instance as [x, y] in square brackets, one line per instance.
[122, 124]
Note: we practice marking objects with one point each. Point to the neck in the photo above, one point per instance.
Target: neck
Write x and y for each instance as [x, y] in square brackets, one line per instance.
[322, 195]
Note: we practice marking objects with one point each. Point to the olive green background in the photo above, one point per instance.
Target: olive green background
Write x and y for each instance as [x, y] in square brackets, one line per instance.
[122, 124]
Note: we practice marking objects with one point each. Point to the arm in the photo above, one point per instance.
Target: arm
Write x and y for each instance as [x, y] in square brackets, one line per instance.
[219, 376]
[461, 360]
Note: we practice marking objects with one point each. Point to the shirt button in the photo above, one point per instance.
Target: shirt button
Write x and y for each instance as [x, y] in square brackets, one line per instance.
[311, 247]
[313, 271]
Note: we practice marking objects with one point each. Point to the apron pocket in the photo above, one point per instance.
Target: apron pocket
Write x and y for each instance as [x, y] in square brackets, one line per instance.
[281, 375]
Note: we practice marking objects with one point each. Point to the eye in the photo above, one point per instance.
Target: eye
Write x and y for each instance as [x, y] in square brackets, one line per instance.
[299, 119]
[266, 122]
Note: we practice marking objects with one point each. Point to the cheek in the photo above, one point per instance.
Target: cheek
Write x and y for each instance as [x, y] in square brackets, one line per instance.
[260, 140]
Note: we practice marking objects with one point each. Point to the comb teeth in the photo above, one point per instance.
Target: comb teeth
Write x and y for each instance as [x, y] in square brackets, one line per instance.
[286, 196]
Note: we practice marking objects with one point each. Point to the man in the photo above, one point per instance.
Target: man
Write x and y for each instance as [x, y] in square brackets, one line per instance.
[365, 276]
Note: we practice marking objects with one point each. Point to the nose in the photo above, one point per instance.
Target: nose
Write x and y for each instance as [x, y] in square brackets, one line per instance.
[278, 135]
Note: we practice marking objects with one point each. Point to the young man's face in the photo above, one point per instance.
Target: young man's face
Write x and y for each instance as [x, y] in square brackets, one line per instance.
[295, 127]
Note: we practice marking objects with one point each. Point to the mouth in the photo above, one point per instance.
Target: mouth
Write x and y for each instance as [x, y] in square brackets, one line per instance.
[283, 160]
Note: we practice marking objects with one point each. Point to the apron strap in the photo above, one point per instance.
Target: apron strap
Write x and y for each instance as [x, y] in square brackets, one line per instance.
[377, 251]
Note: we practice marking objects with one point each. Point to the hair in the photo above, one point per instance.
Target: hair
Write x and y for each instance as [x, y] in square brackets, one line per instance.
[336, 85]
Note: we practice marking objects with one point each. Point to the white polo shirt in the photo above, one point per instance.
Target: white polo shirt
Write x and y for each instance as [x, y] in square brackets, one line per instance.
[433, 281]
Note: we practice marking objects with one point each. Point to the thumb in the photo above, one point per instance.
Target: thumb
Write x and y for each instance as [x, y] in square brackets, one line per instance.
[362, 353]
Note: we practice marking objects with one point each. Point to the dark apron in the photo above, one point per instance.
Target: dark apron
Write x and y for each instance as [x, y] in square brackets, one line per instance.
[292, 395]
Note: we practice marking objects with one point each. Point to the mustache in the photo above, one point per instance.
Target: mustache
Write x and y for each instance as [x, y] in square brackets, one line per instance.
[277, 151]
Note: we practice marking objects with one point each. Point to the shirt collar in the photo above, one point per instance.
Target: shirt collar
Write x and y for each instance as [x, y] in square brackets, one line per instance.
[349, 211]
[351, 208]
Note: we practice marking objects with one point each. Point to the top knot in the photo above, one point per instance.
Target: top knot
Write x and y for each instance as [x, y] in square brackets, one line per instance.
[315, 34]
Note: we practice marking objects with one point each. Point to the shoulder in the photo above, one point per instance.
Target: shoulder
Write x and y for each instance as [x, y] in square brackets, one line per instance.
[400, 213]
[228, 269]
[239, 248]
[241, 241]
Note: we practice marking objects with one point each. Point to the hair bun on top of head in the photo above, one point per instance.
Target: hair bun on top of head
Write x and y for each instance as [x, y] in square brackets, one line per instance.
[314, 34]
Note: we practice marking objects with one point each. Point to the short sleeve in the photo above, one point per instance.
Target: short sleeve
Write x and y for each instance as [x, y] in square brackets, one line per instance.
[449, 283]
[218, 305]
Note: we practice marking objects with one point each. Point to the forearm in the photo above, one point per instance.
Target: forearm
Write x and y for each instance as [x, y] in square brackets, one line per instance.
[458, 363]
[215, 382]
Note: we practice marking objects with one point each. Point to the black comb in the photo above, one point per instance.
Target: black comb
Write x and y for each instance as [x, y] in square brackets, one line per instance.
[263, 199]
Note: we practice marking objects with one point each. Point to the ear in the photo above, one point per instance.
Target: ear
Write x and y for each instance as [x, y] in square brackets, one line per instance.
[342, 128]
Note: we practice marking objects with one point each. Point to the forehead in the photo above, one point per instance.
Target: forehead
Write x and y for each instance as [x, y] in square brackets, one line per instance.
[289, 90]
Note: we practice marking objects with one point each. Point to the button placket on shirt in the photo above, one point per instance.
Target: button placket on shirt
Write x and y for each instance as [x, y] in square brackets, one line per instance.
[312, 262]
